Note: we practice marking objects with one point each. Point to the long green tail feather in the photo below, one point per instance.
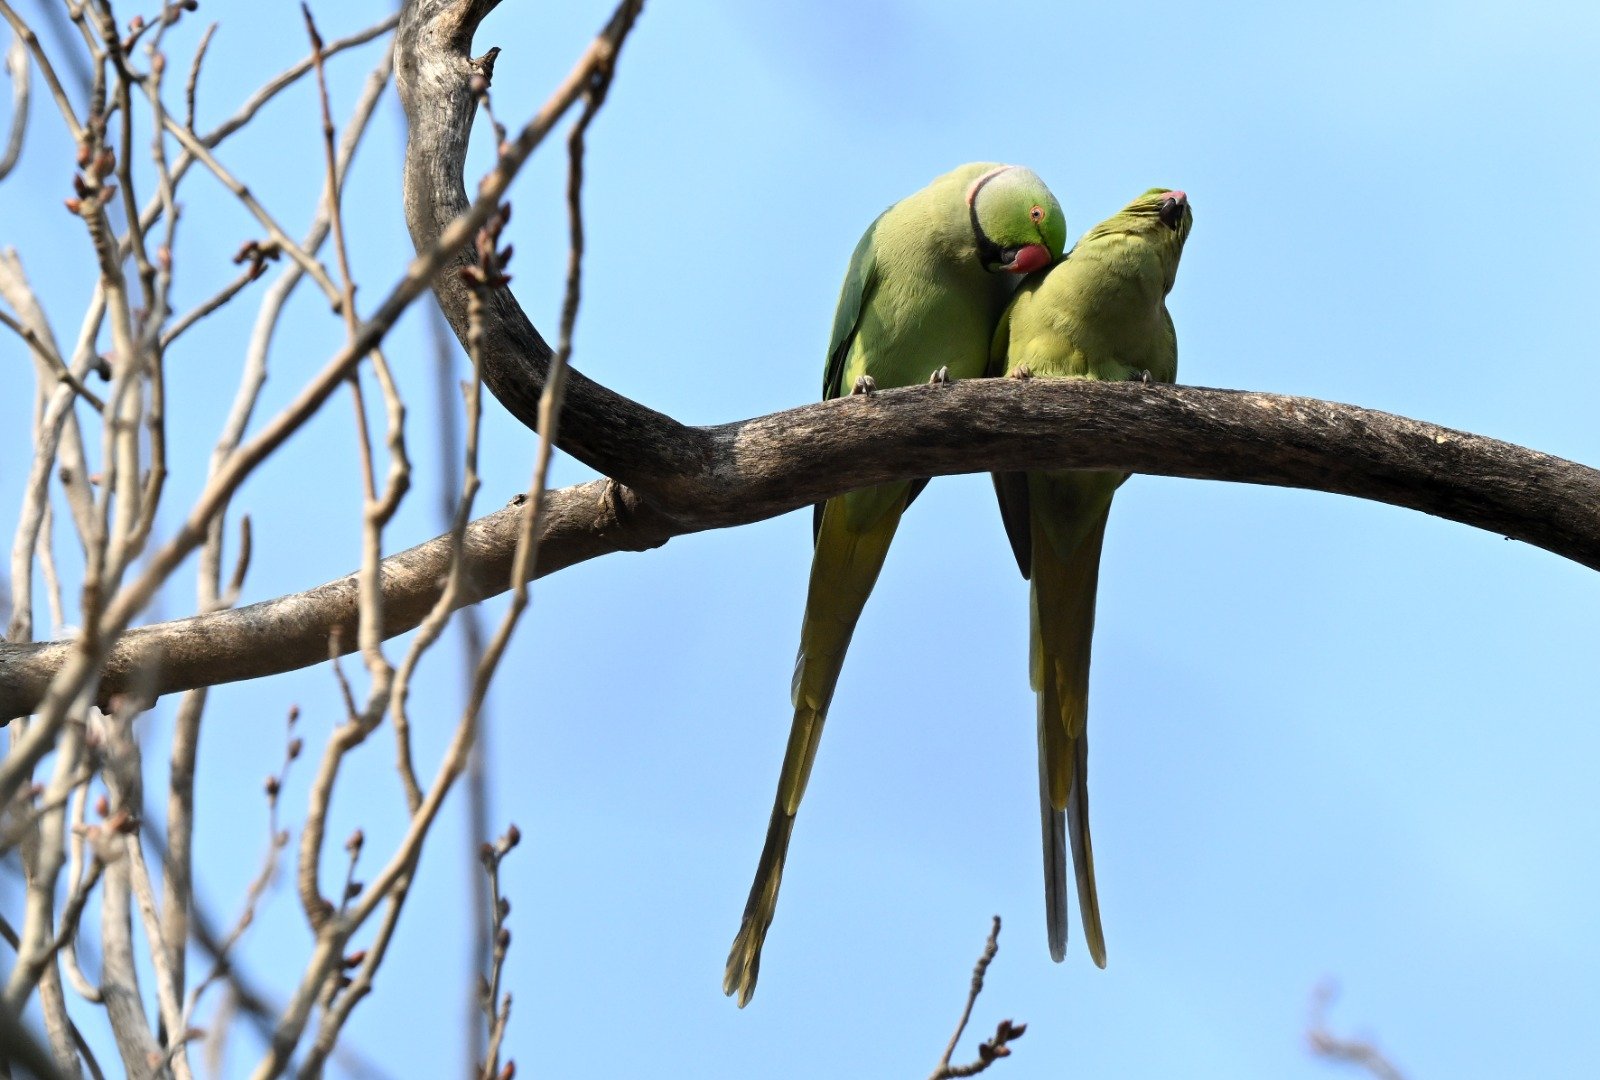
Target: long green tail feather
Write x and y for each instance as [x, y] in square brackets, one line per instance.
[1063, 618]
[852, 539]
[1053, 753]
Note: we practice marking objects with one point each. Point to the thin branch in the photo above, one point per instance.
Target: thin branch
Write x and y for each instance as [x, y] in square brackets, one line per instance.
[211, 594]
[16, 64]
[1323, 1043]
[191, 85]
[1004, 1033]
[283, 80]
[31, 40]
[496, 1006]
[123, 773]
[119, 980]
[217, 300]
[453, 447]
[302, 258]
[50, 357]
[277, 840]
[79, 1045]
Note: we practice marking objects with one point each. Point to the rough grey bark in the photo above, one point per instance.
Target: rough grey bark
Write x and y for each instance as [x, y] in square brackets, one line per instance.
[672, 479]
[790, 459]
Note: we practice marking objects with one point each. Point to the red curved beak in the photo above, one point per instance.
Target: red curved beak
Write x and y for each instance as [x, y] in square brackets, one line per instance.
[1027, 259]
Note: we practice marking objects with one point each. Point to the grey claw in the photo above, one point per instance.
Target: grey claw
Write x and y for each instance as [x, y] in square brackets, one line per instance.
[940, 378]
[1140, 377]
[865, 385]
[1021, 371]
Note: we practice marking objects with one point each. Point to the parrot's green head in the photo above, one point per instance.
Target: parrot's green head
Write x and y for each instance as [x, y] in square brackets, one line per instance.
[1017, 224]
[1161, 217]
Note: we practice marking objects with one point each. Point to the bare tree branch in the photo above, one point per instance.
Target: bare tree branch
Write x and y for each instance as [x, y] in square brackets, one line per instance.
[1004, 1033]
[790, 459]
[16, 63]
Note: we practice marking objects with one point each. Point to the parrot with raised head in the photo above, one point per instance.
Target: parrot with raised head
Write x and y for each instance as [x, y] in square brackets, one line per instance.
[925, 288]
[1100, 313]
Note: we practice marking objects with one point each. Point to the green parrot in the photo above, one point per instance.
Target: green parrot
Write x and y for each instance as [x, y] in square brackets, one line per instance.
[926, 285]
[1100, 313]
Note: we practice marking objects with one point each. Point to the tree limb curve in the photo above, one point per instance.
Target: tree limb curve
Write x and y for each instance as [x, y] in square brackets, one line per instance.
[671, 479]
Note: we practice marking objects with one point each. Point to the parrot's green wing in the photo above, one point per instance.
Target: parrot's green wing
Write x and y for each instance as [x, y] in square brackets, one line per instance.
[860, 283]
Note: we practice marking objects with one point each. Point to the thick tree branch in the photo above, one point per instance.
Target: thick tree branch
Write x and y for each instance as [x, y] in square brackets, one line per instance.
[435, 73]
[790, 459]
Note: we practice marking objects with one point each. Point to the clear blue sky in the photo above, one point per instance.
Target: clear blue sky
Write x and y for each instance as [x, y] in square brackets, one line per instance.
[1331, 738]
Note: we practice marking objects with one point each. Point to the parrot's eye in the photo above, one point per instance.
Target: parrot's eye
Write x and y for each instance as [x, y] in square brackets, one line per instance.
[1037, 214]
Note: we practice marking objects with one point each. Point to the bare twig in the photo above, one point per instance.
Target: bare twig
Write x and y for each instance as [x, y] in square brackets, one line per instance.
[31, 40]
[85, 662]
[58, 443]
[212, 596]
[1004, 1033]
[17, 66]
[1323, 1043]
[277, 840]
[79, 1045]
[433, 625]
[123, 772]
[283, 80]
[197, 148]
[390, 884]
[212, 303]
[44, 853]
[191, 85]
[496, 1006]
[45, 352]
[452, 446]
